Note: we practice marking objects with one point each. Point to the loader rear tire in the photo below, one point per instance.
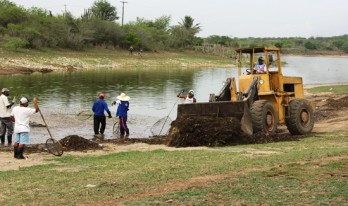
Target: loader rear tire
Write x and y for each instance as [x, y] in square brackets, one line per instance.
[264, 117]
[301, 119]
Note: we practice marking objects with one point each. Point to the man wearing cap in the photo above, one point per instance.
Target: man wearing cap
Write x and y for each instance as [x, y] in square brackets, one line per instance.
[260, 67]
[122, 113]
[189, 98]
[98, 108]
[5, 113]
[20, 116]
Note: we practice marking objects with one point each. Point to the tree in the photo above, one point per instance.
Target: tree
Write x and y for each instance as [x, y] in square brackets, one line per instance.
[105, 32]
[148, 34]
[345, 47]
[104, 10]
[222, 40]
[183, 35]
[278, 44]
[188, 24]
[338, 43]
[179, 37]
[309, 45]
[10, 13]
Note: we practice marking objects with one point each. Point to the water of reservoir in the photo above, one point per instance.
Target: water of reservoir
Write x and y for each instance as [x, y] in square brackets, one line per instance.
[152, 90]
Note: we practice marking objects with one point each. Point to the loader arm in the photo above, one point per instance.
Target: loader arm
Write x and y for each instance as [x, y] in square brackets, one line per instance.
[251, 94]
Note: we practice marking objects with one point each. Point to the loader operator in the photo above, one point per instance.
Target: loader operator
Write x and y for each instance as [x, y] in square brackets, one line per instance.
[260, 67]
[189, 98]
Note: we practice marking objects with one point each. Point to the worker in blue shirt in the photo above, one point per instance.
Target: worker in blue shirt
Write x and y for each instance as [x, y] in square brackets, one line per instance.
[99, 117]
[121, 112]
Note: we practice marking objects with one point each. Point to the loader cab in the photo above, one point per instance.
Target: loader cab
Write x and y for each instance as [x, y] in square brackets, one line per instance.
[269, 80]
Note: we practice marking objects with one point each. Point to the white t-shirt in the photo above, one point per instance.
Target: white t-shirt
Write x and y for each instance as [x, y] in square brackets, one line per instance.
[260, 68]
[21, 115]
[4, 111]
[188, 100]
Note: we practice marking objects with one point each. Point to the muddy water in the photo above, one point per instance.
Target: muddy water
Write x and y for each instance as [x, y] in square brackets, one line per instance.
[152, 90]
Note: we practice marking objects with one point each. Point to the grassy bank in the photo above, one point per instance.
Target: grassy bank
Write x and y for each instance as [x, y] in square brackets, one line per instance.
[99, 58]
[335, 89]
[312, 171]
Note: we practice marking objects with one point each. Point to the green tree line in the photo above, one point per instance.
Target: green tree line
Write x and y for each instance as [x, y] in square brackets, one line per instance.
[36, 28]
[290, 45]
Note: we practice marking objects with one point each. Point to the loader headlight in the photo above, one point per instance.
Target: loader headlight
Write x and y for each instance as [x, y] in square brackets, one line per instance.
[261, 81]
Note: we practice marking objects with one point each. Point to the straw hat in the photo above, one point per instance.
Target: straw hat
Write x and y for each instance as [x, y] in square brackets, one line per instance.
[123, 97]
[4, 90]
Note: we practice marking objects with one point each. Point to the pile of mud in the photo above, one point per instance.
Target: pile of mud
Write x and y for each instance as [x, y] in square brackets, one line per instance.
[330, 108]
[203, 131]
[77, 143]
[338, 103]
[213, 131]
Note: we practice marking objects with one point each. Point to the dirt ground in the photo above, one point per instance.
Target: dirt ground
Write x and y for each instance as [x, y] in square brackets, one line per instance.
[22, 70]
[331, 115]
[9, 66]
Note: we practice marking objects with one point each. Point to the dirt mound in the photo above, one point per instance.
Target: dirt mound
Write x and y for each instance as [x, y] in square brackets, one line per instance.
[212, 131]
[338, 103]
[77, 143]
[329, 109]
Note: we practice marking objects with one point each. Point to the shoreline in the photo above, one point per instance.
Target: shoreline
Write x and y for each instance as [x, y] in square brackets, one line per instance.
[309, 86]
[45, 61]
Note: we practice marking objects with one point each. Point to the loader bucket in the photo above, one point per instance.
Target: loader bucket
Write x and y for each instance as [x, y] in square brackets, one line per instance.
[238, 110]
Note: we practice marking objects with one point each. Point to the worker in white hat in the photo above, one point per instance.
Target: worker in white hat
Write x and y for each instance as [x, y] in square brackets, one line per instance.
[122, 113]
[189, 98]
[21, 115]
[5, 112]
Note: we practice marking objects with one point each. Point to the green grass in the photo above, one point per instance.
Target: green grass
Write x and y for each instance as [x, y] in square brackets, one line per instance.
[335, 89]
[312, 171]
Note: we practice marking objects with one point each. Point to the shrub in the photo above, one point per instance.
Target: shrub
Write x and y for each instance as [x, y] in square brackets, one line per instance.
[345, 47]
[309, 45]
[13, 43]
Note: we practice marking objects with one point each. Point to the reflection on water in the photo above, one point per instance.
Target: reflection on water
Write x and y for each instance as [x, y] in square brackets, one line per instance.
[152, 90]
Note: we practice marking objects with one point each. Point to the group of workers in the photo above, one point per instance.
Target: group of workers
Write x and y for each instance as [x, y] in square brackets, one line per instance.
[100, 107]
[99, 119]
[20, 115]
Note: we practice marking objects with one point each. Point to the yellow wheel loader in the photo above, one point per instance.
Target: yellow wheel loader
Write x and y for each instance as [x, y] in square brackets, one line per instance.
[264, 99]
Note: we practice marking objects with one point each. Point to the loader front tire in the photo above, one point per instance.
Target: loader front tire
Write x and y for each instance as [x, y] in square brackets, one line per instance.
[264, 117]
[301, 119]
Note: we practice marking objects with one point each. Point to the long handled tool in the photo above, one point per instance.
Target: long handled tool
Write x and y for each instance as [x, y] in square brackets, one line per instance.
[53, 146]
[162, 122]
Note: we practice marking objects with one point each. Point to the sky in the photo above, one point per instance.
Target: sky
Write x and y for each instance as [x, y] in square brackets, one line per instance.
[233, 18]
